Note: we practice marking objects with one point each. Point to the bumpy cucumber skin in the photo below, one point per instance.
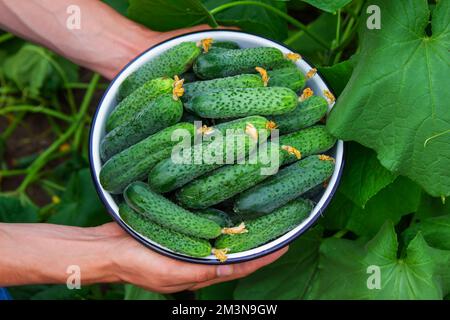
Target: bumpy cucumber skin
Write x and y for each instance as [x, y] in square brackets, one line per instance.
[168, 175]
[309, 141]
[291, 78]
[288, 184]
[172, 240]
[158, 114]
[307, 113]
[231, 180]
[137, 101]
[243, 102]
[164, 212]
[174, 61]
[263, 229]
[226, 63]
[239, 81]
[285, 63]
[225, 45]
[135, 162]
[218, 216]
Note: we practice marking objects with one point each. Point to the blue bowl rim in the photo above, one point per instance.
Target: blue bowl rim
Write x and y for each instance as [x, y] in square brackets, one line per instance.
[170, 254]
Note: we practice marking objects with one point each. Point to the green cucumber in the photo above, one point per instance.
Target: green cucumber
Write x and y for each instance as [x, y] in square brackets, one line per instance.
[309, 141]
[172, 240]
[164, 212]
[135, 162]
[263, 229]
[231, 180]
[225, 45]
[288, 184]
[221, 218]
[285, 63]
[169, 174]
[239, 81]
[242, 102]
[292, 78]
[307, 113]
[174, 61]
[224, 63]
[162, 112]
[137, 101]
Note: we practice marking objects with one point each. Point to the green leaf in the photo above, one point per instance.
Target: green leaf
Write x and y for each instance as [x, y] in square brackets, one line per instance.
[363, 175]
[338, 75]
[165, 15]
[391, 203]
[328, 5]
[120, 6]
[252, 18]
[136, 293]
[220, 291]
[310, 48]
[344, 269]
[436, 232]
[80, 205]
[36, 70]
[287, 278]
[13, 209]
[397, 99]
[432, 207]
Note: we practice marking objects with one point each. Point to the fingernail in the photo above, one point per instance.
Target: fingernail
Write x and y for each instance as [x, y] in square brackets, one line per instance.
[226, 270]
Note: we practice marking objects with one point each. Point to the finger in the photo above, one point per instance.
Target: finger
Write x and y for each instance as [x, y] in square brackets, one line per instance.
[236, 271]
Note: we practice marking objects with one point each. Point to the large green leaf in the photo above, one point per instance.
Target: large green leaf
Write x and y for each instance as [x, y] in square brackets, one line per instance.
[391, 203]
[338, 75]
[328, 5]
[287, 278]
[164, 15]
[363, 175]
[252, 18]
[344, 269]
[397, 99]
[436, 231]
[136, 293]
[13, 209]
[80, 205]
[432, 207]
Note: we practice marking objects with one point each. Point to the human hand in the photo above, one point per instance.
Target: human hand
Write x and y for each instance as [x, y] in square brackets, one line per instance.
[143, 267]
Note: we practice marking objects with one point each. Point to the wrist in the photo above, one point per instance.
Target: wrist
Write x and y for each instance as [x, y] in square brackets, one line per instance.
[44, 253]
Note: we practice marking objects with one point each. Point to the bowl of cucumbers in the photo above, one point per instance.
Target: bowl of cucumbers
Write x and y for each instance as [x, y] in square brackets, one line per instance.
[211, 147]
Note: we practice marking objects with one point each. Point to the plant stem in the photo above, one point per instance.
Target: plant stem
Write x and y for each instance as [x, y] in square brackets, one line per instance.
[43, 157]
[82, 85]
[338, 28]
[11, 173]
[36, 109]
[52, 185]
[280, 13]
